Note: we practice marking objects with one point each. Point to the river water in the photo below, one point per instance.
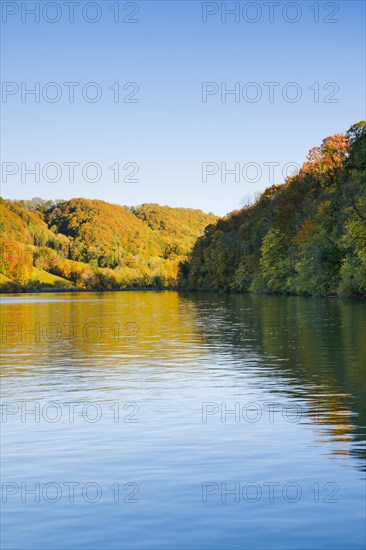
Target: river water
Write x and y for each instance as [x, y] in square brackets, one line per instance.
[153, 420]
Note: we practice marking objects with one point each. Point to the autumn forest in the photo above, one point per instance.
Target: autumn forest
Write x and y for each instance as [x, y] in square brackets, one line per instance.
[306, 236]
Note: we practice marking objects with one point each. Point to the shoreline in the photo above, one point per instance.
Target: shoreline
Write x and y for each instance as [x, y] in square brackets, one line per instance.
[181, 291]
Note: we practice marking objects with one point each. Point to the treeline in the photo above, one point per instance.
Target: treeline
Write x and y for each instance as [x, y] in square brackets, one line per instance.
[306, 236]
[91, 244]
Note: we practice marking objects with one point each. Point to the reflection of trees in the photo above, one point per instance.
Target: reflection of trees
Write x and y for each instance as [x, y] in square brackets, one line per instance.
[313, 350]
[316, 346]
[120, 329]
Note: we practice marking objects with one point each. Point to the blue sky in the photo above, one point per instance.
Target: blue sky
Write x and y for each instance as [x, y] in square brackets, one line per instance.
[170, 132]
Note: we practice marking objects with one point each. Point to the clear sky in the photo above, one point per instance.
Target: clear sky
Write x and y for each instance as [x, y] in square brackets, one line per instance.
[172, 128]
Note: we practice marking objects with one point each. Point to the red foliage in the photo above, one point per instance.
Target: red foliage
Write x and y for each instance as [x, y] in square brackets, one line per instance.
[324, 162]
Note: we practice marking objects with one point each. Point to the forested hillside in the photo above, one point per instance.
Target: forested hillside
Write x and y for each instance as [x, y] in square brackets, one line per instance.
[91, 244]
[306, 236]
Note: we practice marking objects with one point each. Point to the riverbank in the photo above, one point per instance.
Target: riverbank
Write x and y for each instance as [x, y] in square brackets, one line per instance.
[183, 291]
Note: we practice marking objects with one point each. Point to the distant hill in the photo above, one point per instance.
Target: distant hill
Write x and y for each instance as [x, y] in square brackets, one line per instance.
[91, 244]
[307, 236]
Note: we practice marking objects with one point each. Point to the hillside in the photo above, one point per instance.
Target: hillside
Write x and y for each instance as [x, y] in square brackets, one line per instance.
[177, 228]
[306, 236]
[91, 244]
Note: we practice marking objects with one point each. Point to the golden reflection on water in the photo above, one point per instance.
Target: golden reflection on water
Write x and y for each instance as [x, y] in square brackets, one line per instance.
[310, 350]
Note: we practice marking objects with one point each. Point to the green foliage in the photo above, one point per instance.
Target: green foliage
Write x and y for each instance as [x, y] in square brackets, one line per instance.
[275, 265]
[353, 269]
[307, 236]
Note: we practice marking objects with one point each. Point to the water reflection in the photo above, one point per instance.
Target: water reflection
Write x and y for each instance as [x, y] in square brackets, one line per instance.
[179, 357]
[312, 350]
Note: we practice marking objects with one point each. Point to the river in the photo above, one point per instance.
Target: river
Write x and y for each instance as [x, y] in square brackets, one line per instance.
[147, 420]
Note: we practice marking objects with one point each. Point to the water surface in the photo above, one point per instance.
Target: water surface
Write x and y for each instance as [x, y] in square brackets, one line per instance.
[148, 420]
